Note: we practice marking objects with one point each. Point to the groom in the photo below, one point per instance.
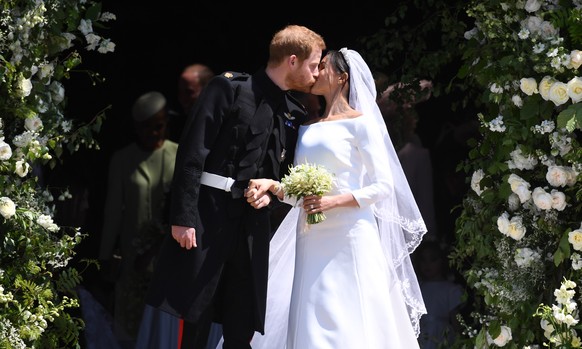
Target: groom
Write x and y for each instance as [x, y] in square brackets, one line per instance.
[214, 265]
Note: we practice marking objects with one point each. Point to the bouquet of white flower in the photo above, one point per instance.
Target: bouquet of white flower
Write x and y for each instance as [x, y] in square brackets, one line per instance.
[307, 179]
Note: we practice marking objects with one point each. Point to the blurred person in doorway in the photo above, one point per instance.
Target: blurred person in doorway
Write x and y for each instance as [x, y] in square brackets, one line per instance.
[135, 212]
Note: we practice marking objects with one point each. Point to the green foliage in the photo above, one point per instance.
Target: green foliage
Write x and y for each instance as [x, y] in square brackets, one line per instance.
[517, 64]
[37, 54]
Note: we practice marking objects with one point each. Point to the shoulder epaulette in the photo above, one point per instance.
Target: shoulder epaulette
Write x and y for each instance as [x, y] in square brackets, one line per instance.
[234, 76]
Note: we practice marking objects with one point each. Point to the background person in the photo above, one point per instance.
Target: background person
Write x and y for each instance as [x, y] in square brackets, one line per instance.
[135, 212]
[192, 80]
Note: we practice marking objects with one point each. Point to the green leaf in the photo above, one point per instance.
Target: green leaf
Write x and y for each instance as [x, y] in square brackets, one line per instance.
[571, 117]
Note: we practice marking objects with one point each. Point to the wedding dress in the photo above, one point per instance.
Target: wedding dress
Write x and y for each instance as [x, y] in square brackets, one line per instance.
[344, 292]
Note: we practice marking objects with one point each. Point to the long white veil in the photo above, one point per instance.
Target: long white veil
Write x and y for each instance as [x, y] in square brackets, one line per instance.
[399, 220]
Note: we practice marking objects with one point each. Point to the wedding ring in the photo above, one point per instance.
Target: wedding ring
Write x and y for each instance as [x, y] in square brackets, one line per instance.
[311, 207]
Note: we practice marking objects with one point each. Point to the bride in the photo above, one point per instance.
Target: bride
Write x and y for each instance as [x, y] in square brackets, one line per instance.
[346, 282]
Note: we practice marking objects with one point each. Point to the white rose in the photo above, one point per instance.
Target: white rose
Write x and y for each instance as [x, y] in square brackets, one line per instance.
[516, 230]
[575, 59]
[557, 176]
[7, 207]
[558, 200]
[46, 222]
[532, 5]
[24, 87]
[519, 187]
[517, 101]
[503, 223]
[575, 89]
[5, 150]
[22, 168]
[575, 238]
[532, 23]
[522, 161]
[529, 86]
[503, 338]
[33, 123]
[558, 93]
[542, 199]
[544, 87]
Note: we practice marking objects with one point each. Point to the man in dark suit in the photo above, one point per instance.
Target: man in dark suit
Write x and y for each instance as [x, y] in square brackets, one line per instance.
[214, 265]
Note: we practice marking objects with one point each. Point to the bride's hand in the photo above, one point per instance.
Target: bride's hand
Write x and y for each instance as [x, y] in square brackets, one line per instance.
[257, 192]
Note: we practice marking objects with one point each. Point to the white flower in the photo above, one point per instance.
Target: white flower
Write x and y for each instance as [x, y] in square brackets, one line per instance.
[575, 89]
[517, 101]
[575, 59]
[544, 87]
[86, 27]
[557, 176]
[558, 200]
[503, 223]
[529, 86]
[542, 199]
[576, 261]
[107, 16]
[494, 88]
[564, 294]
[476, 180]
[68, 42]
[46, 222]
[46, 70]
[22, 168]
[496, 125]
[561, 143]
[575, 238]
[106, 46]
[57, 92]
[7, 207]
[503, 338]
[5, 150]
[33, 123]
[532, 5]
[92, 41]
[519, 161]
[519, 187]
[547, 327]
[546, 126]
[558, 93]
[24, 87]
[516, 230]
[525, 256]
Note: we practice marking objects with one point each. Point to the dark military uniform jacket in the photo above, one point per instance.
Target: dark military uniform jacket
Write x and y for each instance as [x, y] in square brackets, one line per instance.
[242, 127]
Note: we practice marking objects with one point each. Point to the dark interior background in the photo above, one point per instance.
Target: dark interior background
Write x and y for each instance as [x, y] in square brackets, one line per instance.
[155, 41]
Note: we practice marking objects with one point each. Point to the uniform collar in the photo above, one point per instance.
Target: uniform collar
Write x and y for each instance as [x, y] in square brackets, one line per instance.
[270, 89]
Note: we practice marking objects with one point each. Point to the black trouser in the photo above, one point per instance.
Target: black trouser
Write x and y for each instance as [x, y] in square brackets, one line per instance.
[236, 296]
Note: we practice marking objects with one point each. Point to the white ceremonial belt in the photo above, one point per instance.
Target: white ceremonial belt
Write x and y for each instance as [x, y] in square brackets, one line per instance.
[216, 181]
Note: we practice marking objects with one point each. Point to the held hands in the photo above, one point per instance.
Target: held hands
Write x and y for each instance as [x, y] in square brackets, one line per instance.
[257, 193]
[185, 236]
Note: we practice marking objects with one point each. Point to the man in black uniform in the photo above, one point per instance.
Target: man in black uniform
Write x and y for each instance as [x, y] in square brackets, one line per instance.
[214, 265]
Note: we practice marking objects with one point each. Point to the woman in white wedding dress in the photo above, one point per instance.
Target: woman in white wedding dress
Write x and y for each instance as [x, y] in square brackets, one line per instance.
[353, 285]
